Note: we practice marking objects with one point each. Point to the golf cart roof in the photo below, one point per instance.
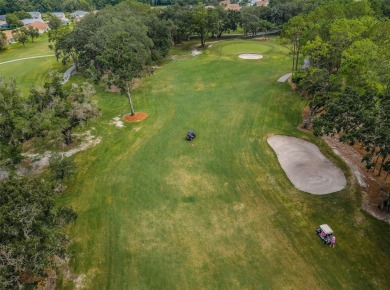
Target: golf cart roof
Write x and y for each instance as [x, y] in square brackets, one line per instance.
[326, 229]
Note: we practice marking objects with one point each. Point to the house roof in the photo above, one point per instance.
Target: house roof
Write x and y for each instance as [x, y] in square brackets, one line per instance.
[35, 14]
[262, 3]
[39, 25]
[224, 2]
[235, 7]
[29, 21]
[79, 13]
[2, 17]
[59, 14]
[8, 34]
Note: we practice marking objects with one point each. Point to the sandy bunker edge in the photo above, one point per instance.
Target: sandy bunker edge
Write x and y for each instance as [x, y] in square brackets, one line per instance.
[306, 167]
[250, 56]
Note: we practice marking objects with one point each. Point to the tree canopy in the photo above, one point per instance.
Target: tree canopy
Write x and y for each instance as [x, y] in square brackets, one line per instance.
[30, 227]
[347, 85]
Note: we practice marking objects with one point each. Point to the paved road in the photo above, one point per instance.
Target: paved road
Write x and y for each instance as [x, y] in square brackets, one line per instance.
[25, 58]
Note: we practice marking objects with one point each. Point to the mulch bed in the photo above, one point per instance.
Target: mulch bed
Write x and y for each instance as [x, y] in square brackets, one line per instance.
[139, 116]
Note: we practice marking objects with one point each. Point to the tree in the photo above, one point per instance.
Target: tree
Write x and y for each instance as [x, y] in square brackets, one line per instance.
[77, 108]
[21, 35]
[63, 41]
[200, 23]
[13, 21]
[29, 230]
[32, 32]
[295, 32]
[124, 59]
[14, 121]
[264, 26]
[3, 40]
[54, 22]
[318, 52]
[181, 18]
[359, 62]
[160, 34]
[250, 20]
[315, 85]
[61, 166]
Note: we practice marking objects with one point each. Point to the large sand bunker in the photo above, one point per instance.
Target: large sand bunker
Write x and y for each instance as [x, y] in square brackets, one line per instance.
[306, 167]
[250, 56]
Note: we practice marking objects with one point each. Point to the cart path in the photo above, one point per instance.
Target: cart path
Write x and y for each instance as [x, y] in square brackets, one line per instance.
[68, 73]
[284, 78]
[26, 58]
[306, 64]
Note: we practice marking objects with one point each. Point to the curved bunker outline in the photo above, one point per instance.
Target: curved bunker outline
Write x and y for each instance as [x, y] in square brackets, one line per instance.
[305, 165]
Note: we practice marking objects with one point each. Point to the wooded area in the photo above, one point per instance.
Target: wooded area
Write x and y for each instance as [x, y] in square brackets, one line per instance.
[347, 84]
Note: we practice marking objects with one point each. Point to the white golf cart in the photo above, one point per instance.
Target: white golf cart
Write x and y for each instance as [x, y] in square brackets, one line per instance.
[325, 233]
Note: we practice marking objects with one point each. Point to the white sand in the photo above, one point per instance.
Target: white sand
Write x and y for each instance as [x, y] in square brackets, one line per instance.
[306, 167]
[195, 52]
[117, 122]
[250, 56]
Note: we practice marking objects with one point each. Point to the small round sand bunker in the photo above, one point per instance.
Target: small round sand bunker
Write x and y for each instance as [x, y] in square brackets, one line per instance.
[306, 167]
[250, 56]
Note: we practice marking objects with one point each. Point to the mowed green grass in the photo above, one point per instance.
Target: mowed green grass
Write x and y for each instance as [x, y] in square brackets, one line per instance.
[40, 46]
[29, 72]
[158, 212]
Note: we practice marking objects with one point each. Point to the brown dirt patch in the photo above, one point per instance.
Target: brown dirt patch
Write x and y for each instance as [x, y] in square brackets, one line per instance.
[374, 187]
[293, 85]
[139, 116]
[113, 89]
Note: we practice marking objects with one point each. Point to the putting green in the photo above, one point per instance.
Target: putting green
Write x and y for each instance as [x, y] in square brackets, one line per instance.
[237, 47]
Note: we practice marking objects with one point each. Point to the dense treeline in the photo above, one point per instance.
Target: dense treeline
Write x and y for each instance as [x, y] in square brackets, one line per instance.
[10, 6]
[31, 223]
[30, 236]
[347, 84]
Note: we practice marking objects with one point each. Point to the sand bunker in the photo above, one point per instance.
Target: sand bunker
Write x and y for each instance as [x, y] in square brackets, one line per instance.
[305, 166]
[250, 56]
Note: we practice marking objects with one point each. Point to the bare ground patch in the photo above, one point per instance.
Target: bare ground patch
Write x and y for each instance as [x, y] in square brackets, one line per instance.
[35, 162]
[374, 188]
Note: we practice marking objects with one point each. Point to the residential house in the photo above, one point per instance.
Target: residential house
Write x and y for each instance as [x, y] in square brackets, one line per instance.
[2, 17]
[30, 21]
[61, 16]
[235, 7]
[262, 3]
[8, 34]
[78, 15]
[41, 26]
[4, 25]
[229, 6]
[35, 15]
[224, 2]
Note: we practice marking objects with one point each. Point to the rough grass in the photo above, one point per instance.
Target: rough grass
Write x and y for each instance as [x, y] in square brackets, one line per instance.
[157, 212]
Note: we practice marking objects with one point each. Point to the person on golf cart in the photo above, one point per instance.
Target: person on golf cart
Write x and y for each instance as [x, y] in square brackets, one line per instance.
[325, 233]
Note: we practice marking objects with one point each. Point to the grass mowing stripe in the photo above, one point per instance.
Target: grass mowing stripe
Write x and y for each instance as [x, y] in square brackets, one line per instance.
[155, 211]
